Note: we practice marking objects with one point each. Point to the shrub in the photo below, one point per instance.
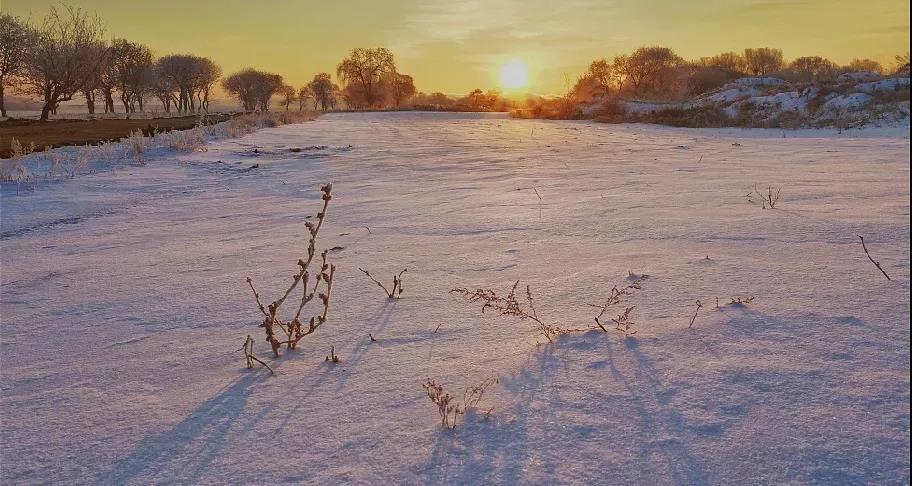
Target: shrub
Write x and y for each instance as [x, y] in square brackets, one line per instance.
[293, 328]
[192, 140]
[137, 146]
[698, 117]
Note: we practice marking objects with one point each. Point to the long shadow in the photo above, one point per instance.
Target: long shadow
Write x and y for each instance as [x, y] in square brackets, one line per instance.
[205, 431]
[498, 450]
[378, 322]
[685, 467]
[494, 450]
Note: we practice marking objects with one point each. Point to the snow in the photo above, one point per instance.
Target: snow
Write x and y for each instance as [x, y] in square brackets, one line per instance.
[124, 304]
[759, 81]
[786, 101]
[855, 77]
[729, 95]
[850, 101]
[642, 107]
[890, 84]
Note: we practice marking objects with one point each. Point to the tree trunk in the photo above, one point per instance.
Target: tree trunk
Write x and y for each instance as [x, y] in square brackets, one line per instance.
[108, 99]
[90, 102]
[2, 105]
[46, 109]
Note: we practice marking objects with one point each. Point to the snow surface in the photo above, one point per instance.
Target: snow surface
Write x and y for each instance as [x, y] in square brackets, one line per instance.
[890, 84]
[759, 81]
[124, 304]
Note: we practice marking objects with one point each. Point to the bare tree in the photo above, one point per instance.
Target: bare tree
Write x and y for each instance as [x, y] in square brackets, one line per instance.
[289, 95]
[99, 56]
[253, 88]
[401, 87]
[812, 68]
[601, 72]
[363, 70]
[762, 61]
[163, 87]
[206, 74]
[648, 67]
[322, 88]
[901, 64]
[304, 94]
[729, 61]
[867, 65]
[193, 78]
[15, 39]
[132, 72]
[62, 59]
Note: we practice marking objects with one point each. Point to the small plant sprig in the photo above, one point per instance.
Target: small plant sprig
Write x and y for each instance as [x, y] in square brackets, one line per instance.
[396, 290]
[293, 329]
[693, 318]
[250, 357]
[875, 262]
[447, 406]
[333, 357]
[513, 307]
[622, 322]
[768, 200]
[737, 301]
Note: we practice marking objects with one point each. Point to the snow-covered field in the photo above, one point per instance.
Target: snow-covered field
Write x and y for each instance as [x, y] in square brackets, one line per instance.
[124, 306]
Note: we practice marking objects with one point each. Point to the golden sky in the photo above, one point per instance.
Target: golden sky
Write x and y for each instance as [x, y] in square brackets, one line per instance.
[455, 46]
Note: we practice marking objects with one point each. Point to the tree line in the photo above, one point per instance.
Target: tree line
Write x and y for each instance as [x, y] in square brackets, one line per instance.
[658, 72]
[67, 55]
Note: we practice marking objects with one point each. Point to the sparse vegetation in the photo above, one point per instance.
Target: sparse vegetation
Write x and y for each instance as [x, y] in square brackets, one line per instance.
[513, 307]
[622, 322]
[250, 357]
[449, 409]
[333, 357]
[393, 292]
[137, 147]
[767, 200]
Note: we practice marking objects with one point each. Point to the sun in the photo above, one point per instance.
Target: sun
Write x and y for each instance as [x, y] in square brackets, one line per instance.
[514, 74]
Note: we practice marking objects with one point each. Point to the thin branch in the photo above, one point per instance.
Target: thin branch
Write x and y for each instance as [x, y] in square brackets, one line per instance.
[875, 262]
[694, 317]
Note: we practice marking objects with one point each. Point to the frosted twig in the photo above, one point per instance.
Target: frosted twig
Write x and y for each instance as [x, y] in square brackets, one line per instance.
[694, 317]
[397, 283]
[875, 262]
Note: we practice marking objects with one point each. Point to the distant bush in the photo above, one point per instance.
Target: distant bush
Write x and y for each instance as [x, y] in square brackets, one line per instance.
[708, 79]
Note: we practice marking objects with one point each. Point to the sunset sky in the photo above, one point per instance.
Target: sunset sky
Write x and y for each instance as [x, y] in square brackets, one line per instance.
[454, 46]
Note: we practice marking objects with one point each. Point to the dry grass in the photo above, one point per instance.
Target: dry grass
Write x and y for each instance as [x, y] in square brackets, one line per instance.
[192, 140]
[523, 308]
[449, 408]
[136, 145]
[512, 306]
[622, 322]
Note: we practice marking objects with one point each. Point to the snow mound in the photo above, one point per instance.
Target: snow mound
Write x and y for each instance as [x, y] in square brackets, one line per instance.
[851, 101]
[890, 84]
[760, 81]
[858, 77]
